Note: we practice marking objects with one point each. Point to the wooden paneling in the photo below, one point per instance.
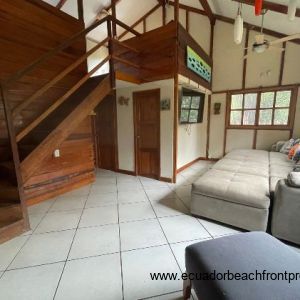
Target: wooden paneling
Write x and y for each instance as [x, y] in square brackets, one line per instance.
[184, 40]
[106, 134]
[30, 29]
[156, 54]
[157, 49]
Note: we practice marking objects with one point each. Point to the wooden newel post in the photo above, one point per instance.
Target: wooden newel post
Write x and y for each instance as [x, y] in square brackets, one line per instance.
[110, 51]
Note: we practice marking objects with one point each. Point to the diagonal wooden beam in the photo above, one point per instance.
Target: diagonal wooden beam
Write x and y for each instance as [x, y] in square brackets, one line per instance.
[61, 3]
[151, 11]
[189, 8]
[208, 11]
[280, 8]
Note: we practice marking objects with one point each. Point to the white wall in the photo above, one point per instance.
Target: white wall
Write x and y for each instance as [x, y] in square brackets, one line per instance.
[126, 125]
[228, 75]
[96, 58]
[192, 139]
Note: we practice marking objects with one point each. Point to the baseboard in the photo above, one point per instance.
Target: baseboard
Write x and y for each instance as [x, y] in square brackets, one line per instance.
[13, 230]
[166, 179]
[190, 164]
[132, 173]
[60, 190]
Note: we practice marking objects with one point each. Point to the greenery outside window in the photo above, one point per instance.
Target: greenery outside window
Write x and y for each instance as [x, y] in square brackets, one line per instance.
[261, 109]
[191, 108]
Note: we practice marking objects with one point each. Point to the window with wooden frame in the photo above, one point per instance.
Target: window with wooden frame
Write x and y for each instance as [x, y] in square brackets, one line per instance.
[191, 107]
[266, 108]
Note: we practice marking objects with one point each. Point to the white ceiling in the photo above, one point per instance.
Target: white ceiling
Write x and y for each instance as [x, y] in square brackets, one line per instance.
[130, 11]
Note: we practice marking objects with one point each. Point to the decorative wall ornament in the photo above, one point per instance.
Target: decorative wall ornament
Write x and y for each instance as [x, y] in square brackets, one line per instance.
[123, 100]
[165, 104]
[198, 65]
[217, 108]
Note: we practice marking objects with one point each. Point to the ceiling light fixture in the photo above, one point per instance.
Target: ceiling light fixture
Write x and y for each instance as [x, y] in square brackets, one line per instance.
[238, 27]
[292, 8]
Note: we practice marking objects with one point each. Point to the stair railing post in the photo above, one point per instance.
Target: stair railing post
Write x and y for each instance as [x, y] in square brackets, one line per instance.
[15, 153]
[111, 50]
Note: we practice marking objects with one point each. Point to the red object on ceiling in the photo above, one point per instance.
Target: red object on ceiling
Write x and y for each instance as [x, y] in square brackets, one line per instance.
[258, 7]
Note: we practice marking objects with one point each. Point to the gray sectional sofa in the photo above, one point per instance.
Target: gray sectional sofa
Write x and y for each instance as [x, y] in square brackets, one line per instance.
[238, 189]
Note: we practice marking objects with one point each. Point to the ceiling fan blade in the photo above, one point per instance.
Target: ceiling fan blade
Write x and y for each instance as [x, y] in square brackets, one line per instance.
[286, 39]
[259, 38]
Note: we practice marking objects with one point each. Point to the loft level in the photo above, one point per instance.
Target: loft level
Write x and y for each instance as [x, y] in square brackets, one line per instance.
[161, 54]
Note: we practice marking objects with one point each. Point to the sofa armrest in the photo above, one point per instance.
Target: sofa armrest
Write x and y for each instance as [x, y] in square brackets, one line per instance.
[285, 191]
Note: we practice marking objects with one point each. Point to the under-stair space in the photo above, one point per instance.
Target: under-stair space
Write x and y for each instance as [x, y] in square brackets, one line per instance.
[39, 133]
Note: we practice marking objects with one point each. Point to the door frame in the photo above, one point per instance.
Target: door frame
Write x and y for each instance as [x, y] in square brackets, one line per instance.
[135, 123]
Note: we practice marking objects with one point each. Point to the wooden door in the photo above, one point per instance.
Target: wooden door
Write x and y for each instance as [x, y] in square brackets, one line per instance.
[147, 133]
[105, 131]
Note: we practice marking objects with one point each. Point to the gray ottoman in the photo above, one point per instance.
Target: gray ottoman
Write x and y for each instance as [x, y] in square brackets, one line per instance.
[286, 213]
[256, 255]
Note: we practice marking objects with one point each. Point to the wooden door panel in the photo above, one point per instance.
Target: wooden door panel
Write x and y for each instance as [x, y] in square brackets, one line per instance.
[105, 134]
[147, 133]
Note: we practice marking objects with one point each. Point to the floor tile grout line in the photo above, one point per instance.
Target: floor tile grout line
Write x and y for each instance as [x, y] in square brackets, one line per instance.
[165, 237]
[104, 254]
[120, 243]
[73, 239]
[155, 296]
[29, 237]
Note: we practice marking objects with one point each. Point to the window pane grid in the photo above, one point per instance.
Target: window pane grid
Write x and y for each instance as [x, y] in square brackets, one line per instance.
[270, 108]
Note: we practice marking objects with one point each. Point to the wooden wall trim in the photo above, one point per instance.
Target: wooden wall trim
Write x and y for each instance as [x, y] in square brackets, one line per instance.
[189, 164]
[132, 173]
[245, 60]
[282, 63]
[211, 51]
[165, 179]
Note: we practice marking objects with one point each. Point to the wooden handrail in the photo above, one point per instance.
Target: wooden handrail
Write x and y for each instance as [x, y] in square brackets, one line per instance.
[128, 28]
[64, 45]
[54, 51]
[59, 101]
[57, 78]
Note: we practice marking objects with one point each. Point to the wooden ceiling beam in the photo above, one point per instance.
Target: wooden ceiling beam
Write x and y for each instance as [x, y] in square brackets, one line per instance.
[61, 3]
[151, 11]
[189, 8]
[280, 8]
[257, 28]
[208, 11]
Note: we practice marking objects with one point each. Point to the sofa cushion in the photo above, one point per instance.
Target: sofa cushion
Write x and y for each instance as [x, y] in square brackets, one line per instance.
[243, 166]
[245, 189]
[249, 155]
[280, 159]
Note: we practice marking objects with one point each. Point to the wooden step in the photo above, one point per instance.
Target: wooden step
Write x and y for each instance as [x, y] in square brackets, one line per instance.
[10, 214]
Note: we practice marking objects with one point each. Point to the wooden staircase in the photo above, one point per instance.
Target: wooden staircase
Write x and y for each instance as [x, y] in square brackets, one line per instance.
[40, 136]
[62, 122]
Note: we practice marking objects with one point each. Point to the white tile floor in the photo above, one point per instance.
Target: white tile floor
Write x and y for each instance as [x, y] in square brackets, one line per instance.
[103, 240]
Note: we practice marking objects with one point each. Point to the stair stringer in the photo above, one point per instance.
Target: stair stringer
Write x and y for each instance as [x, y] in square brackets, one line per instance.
[53, 141]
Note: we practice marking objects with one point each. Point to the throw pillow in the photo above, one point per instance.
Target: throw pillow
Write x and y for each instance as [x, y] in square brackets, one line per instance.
[294, 153]
[287, 146]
